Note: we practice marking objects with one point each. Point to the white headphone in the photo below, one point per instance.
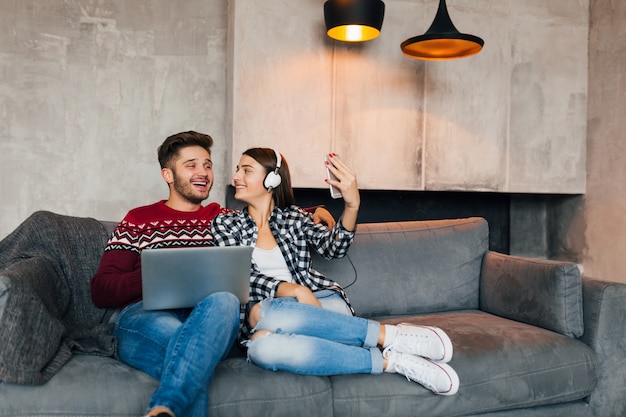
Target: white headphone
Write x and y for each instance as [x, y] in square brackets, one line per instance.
[272, 179]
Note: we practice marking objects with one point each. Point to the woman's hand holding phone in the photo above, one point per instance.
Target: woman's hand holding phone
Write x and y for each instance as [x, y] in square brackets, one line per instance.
[334, 191]
[341, 177]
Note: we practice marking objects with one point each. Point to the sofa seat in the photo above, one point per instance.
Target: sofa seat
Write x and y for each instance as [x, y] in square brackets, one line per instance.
[94, 385]
[102, 386]
[503, 364]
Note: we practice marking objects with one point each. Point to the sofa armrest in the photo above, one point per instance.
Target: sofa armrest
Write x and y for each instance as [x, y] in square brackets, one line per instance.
[605, 332]
[31, 330]
[540, 292]
[38, 334]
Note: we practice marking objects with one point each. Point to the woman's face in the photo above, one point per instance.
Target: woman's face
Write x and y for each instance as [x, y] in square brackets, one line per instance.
[248, 180]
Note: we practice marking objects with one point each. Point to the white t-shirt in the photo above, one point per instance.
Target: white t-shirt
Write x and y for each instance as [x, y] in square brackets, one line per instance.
[272, 263]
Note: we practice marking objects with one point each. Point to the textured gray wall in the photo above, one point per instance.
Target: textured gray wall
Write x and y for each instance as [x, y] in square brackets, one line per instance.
[89, 89]
[605, 201]
[510, 119]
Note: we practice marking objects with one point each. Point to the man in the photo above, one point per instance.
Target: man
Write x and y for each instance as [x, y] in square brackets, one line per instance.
[181, 347]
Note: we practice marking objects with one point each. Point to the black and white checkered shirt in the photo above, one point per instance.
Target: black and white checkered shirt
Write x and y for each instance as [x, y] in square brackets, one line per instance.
[296, 234]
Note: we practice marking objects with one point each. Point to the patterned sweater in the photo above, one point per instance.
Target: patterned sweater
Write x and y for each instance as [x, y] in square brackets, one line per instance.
[118, 280]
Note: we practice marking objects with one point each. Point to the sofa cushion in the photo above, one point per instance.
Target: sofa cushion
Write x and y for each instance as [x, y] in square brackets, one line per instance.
[86, 386]
[99, 386]
[412, 267]
[501, 365]
[239, 386]
[75, 246]
[33, 335]
[543, 293]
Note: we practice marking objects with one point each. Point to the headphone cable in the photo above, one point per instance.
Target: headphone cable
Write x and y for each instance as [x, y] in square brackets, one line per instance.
[356, 275]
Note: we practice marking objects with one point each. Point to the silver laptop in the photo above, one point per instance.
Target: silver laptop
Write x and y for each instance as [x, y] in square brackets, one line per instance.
[181, 277]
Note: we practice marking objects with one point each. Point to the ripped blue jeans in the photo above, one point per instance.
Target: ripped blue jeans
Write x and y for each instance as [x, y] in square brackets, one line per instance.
[310, 340]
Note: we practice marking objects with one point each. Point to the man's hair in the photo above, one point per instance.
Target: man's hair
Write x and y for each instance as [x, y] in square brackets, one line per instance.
[172, 145]
[283, 194]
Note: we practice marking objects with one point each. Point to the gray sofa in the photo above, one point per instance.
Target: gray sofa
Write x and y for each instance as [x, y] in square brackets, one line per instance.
[531, 337]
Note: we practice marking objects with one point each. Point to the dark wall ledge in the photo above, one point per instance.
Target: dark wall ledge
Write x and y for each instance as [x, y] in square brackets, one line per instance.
[535, 225]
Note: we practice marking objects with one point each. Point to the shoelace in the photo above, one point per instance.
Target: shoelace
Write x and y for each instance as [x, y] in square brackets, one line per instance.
[411, 375]
[387, 350]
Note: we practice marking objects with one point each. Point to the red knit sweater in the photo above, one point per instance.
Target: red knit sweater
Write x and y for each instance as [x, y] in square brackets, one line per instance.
[118, 280]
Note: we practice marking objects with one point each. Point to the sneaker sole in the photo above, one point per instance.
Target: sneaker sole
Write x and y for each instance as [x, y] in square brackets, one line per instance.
[454, 379]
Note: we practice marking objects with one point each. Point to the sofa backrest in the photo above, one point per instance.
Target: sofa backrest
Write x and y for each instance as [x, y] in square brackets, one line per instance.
[412, 267]
[109, 226]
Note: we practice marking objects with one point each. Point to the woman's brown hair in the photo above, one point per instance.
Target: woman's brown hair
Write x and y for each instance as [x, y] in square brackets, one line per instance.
[283, 194]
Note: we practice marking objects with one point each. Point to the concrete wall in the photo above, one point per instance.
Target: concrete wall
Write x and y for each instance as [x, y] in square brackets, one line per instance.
[605, 201]
[510, 119]
[89, 89]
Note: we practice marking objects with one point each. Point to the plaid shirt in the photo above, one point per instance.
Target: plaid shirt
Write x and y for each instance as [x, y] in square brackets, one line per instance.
[296, 234]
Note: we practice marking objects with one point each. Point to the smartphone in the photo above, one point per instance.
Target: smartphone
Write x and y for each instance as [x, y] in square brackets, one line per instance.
[334, 191]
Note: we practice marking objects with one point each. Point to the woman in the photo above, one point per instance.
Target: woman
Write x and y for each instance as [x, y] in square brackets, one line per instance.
[301, 321]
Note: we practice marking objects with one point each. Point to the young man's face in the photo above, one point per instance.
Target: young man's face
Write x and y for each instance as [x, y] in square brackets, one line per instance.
[192, 174]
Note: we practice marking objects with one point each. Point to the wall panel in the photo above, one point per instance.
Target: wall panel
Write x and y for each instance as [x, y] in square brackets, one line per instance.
[510, 119]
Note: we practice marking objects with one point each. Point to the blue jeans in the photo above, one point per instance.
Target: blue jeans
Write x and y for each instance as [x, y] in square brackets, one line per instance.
[310, 340]
[180, 348]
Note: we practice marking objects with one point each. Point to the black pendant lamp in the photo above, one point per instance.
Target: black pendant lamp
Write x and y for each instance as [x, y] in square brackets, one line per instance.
[442, 40]
[354, 20]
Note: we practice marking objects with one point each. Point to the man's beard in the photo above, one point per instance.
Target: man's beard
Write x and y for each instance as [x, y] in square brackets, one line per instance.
[186, 190]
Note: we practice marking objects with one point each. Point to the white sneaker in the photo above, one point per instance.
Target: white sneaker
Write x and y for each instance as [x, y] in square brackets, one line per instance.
[426, 341]
[438, 377]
